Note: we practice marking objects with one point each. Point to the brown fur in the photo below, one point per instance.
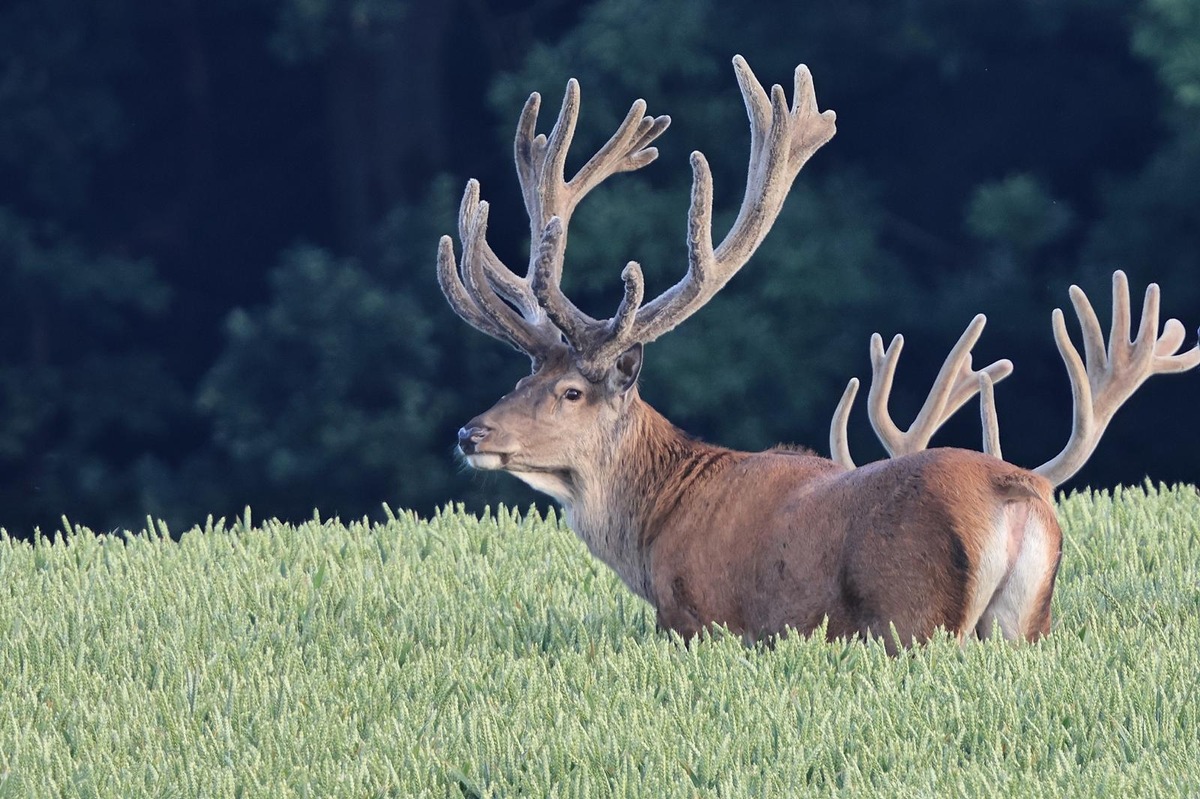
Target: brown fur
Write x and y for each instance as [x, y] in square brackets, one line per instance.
[770, 541]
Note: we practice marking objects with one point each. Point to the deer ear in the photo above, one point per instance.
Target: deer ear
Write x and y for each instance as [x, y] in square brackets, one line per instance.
[624, 373]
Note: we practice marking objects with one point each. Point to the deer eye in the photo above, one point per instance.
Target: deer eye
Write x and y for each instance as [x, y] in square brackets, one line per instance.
[572, 395]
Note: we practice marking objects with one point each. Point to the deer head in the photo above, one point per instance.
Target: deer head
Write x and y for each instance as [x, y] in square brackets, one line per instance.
[571, 410]
[556, 424]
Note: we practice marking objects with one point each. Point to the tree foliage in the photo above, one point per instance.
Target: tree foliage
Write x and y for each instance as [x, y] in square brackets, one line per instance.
[218, 224]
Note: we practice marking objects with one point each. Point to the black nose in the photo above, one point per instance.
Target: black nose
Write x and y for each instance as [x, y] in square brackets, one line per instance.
[470, 436]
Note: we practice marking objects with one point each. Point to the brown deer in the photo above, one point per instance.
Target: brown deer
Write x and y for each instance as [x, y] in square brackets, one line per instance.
[783, 539]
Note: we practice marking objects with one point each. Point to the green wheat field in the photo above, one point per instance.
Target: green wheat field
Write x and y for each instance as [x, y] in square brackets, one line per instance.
[470, 657]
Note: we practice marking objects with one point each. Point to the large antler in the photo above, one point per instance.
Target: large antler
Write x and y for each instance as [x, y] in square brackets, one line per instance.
[530, 312]
[955, 384]
[782, 140]
[1111, 375]
[485, 293]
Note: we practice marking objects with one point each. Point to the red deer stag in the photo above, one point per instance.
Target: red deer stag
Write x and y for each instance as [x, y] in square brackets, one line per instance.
[763, 542]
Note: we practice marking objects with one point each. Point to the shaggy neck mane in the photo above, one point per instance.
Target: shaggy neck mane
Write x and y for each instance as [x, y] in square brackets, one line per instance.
[623, 498]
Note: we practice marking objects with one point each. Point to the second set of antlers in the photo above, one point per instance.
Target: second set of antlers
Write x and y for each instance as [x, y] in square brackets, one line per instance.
[1101, 381]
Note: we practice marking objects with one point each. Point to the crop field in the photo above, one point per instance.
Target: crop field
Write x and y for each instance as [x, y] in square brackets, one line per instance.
[470, 657]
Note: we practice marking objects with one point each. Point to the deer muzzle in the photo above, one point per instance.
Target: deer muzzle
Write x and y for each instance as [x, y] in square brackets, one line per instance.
[479, 447]
[470, 436]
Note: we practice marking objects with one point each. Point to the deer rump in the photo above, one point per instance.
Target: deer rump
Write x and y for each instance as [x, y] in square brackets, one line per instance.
[942, 538]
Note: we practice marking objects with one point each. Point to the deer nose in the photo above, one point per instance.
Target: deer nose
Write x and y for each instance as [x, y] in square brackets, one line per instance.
[470, 436]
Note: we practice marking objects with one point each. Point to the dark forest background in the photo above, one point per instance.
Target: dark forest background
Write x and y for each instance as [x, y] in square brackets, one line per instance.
[218, 223]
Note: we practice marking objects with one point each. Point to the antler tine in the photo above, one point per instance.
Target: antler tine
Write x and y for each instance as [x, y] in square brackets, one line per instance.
[622, 325]
[457, 295]
[987, 415]
[547, 271]
[475, 293]
[540, 159]
[1171, 340]
[883, 370]
[464, 299]
[781, 141]
[839, 445]
[1109, 378]
[528, 149]
[956, 383]
[529, 335]
[626, 150]
[499, 276]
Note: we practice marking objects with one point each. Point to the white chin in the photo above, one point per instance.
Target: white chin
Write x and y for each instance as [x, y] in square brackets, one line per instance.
[485, 461]
[548, 483]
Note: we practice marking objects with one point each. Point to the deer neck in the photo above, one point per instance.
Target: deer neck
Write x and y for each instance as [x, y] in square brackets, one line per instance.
[624, 500]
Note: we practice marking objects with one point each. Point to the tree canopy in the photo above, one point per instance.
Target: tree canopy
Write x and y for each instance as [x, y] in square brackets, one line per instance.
[218, 224]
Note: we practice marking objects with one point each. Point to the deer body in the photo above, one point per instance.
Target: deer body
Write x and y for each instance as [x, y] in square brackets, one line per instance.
[770, 541]
[787, 542]
[783, 539]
